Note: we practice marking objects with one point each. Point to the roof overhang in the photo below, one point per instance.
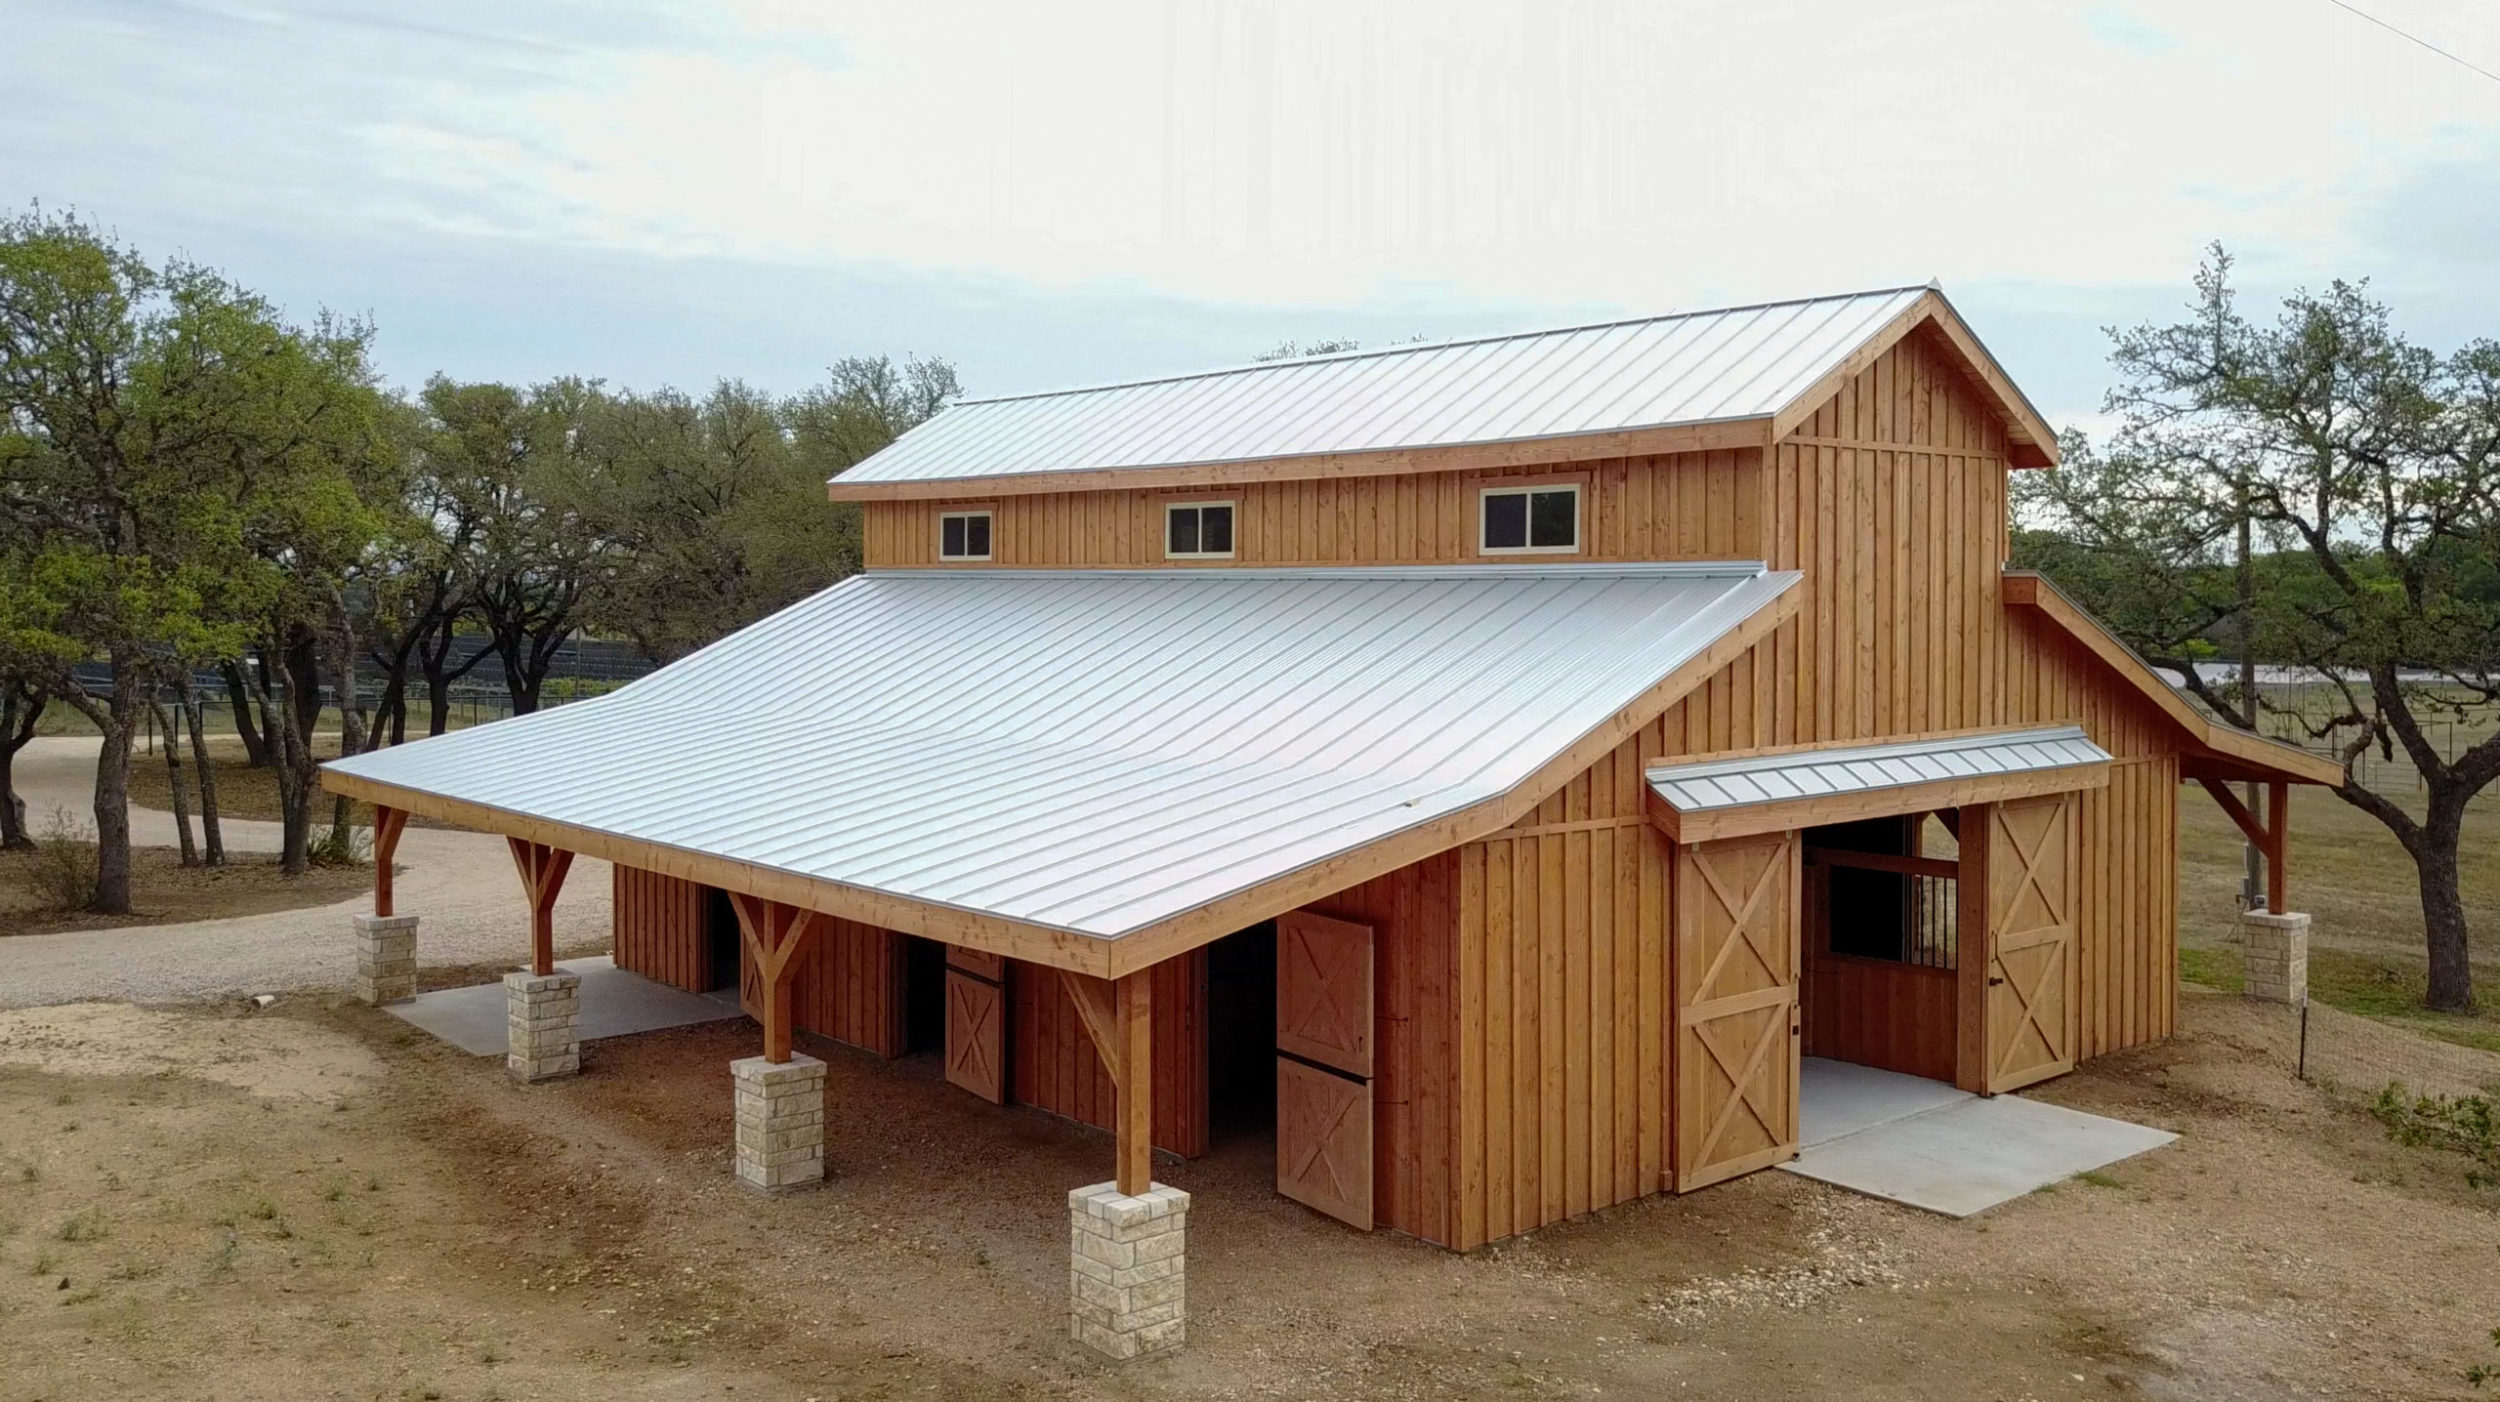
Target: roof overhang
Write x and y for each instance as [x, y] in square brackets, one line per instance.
[2217, 750]
[1802, 786]
[1754, 432]
[2030, 442]
[1097, 770]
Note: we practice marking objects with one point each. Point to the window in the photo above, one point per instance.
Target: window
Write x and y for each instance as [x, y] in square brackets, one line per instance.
[1198, 530]
[964, 535]
[1531, 520]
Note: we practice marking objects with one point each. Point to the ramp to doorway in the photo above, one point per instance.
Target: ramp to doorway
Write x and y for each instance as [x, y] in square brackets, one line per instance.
[615, 1003]
[1926, 1145]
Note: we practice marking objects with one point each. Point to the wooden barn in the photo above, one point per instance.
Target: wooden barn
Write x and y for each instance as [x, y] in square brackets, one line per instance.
[1488, 768]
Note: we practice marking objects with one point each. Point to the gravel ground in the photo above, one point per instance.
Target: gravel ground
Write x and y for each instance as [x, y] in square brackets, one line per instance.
[461, 884]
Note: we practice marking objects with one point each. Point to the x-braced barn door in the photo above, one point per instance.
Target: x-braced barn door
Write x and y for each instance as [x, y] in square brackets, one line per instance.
[2029, 998]
[1736, 1031]
[976, 1022]
[1324, 1065]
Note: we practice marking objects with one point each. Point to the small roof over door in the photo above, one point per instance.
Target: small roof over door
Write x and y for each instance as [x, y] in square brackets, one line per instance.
[1775, 790]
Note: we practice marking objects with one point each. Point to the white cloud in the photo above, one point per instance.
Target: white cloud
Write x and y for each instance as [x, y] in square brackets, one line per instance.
[1325, 153]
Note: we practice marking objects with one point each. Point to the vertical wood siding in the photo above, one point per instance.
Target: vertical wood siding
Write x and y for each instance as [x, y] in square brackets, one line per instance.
[850, 987]
[660, 928]
[1681, 506]
[1052, 1064]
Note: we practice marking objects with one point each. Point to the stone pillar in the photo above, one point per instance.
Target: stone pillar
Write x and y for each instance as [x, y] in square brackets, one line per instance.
[1128, 1270]
[545, 1013]
[2277, 956]
[781, 1122]
[386, 958]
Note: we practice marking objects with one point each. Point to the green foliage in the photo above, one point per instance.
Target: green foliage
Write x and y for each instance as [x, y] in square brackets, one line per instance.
[2315, 492]
[2462, 1124]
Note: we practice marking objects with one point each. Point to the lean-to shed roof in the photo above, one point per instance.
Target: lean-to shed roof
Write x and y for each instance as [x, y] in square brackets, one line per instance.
[1093, 752]
[1689, 369]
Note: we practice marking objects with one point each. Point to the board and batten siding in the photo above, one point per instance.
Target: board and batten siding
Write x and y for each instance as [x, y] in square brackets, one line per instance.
[1052, 1064]
[1679, 506]
[661, 928]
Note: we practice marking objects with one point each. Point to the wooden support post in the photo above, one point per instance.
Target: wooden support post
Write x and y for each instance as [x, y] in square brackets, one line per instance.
[2279, 828]
[774, 934]
[542, 876]
[1974, 953]
[387, 823]
[1120, 1018]
[1135, 1153]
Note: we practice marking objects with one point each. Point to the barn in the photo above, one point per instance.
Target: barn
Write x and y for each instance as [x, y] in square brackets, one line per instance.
[1495, 764]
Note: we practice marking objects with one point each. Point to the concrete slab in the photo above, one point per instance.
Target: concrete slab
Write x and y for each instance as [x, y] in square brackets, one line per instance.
[615, 1003]
[1971, 1154]
[1837, 1098]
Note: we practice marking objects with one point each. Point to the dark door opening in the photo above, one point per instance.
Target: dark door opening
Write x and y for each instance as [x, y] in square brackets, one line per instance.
[1879, 940]
[1241, 1034]
[924, 995]
[720, 938]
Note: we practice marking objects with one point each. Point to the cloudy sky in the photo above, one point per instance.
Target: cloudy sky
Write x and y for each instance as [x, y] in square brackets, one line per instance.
[1054, 194]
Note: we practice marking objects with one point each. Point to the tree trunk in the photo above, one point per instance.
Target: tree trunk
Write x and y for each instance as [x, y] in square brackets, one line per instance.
[239, 698]
[341, 842]
[303, 676]
[212, 832]
[2443, 906]
[173, 780]
[20, 711]
[116, 719]
[281, 719]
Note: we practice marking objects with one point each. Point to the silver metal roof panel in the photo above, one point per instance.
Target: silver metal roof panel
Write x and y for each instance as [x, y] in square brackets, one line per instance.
[1694, 367]
[1097, 751]
[1733, 783]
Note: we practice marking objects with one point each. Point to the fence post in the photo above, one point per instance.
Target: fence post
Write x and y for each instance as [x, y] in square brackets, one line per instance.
[2301, 1066]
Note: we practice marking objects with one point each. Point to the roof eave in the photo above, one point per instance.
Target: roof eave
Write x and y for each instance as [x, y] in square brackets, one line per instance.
[2031, 443]
[1701, 436]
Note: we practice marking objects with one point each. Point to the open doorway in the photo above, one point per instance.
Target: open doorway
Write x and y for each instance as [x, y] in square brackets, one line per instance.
[1881, 942]
[1241, 1036]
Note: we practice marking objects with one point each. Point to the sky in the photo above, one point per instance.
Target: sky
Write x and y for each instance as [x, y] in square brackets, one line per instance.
[1065, 194]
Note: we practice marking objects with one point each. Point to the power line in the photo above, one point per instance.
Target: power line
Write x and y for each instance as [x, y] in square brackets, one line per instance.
[2468, 64]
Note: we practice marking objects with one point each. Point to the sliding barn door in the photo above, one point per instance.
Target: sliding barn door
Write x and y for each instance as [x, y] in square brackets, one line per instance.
[1324, 1065]
[976, 1022]
[2028, 999]
[1736, 1034]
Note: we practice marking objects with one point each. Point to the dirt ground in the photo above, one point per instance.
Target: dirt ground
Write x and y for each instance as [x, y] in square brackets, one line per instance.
[316, 1202]
[165, 892]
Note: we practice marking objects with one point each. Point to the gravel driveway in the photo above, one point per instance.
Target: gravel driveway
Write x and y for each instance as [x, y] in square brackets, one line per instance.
[461, 884]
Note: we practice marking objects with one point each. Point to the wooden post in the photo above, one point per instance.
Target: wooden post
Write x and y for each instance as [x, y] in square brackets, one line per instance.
[1975, 949]
[774, 934]
[1120, 1018]
[2279, 833]
[1135, 1019]
[542, 871]
[387, 823]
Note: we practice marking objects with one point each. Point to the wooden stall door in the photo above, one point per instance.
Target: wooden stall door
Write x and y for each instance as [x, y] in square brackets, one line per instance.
[1736, 1042]
[976, 1023]
[1324, 1065]
[2030, 998]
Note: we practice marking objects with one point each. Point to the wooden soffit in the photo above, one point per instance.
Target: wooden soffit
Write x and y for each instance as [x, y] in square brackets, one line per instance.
[2227, 752]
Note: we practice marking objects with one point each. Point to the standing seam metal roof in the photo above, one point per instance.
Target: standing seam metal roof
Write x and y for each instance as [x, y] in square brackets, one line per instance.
[1734, 783]
[1690, 368]
[1097, 751]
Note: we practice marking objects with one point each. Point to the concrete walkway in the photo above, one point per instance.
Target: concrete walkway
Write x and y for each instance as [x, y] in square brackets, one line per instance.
[614, 1003]
[460, 884]
[1924, 1144]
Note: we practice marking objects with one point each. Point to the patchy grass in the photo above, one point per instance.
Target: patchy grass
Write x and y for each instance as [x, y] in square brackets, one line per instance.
[2349, 873]
[164, 891]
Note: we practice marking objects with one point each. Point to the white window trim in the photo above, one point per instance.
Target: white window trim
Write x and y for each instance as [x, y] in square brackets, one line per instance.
[1579, 527]
[982, 558]
[1171, 506]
